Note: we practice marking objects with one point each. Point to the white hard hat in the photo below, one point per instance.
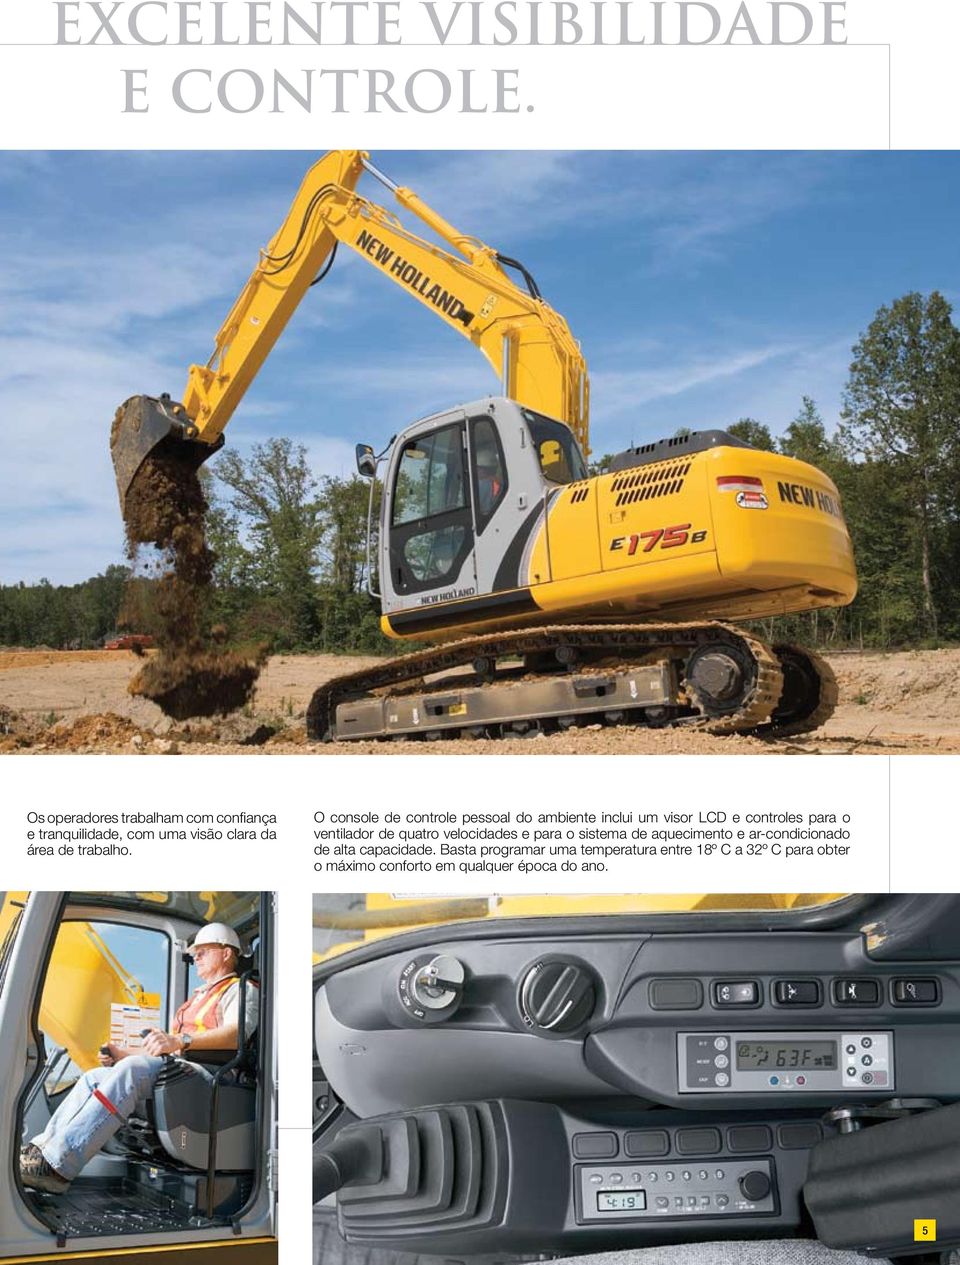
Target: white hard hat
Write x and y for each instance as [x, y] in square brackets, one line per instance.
[217, 933]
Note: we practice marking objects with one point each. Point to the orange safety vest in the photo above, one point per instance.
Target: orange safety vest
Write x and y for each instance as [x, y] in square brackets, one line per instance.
[191, 1015]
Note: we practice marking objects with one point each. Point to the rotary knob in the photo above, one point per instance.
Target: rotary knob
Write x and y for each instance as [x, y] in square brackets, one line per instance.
[755, 1185]
[557, 995]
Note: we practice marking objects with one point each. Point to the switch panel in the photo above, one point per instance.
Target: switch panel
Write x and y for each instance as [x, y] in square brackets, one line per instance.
[715, 1187]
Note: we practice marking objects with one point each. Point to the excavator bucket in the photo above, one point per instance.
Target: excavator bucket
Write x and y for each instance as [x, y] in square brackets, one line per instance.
[145, 427]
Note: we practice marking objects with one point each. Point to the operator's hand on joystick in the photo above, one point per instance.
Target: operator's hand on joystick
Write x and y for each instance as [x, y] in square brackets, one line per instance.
[158, 1043]
[109, 1053]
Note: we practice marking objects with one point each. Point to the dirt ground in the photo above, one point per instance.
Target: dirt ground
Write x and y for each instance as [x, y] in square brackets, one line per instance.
[77, 701]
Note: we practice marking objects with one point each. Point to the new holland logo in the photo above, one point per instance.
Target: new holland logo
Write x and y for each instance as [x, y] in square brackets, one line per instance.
[748, 490]
[752, 500]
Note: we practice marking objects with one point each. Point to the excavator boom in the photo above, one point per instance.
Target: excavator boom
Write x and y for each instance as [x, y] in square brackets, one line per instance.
[463, 281]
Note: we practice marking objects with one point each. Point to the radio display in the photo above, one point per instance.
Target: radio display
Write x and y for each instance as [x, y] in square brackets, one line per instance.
[621, 1201]
[803, 1056]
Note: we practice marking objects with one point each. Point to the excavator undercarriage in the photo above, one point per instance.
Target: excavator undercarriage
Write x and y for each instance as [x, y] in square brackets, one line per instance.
[711, 676]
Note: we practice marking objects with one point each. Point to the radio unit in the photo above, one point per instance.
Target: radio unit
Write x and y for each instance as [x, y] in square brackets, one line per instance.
[784, 1062]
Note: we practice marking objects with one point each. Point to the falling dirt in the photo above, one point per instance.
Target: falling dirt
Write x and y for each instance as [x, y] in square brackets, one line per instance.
[192, 675]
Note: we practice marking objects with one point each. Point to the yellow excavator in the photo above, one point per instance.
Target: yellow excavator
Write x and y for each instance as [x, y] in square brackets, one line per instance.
[549, 597]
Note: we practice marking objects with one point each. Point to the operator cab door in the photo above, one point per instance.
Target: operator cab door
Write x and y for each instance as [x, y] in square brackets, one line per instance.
[431, 518]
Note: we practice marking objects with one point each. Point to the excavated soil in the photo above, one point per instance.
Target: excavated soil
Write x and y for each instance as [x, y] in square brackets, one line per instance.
[95, 732]
[16, 730]
[191, 676]
[889, 704]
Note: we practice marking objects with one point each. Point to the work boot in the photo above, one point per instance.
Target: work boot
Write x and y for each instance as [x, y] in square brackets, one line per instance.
[36, 1173]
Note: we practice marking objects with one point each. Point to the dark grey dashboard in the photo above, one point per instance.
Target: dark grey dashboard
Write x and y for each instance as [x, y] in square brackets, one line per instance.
[607, 1015]
[579, 1092]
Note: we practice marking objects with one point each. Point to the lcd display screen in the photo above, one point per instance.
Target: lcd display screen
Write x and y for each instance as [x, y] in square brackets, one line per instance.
[801, 1056]
[621, 1201]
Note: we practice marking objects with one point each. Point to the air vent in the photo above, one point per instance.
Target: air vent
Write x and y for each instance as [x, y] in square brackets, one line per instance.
[676, 446]
[651, 482]
[580, 493]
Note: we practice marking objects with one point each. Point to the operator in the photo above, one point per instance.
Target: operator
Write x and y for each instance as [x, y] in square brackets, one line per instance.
[103, 1099]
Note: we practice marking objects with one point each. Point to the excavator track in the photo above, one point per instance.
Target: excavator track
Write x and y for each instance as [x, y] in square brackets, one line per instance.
[709, 676]
[810, 692]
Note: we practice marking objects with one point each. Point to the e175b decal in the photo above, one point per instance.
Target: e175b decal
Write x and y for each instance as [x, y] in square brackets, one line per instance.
[658, 538]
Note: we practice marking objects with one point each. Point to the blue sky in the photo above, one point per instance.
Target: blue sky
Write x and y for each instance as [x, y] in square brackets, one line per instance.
[703, 287]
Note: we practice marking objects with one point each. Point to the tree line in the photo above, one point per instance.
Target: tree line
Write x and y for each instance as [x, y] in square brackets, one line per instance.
[291, 547]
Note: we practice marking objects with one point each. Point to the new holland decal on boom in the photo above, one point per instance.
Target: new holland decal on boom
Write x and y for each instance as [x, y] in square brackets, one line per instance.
[568, 598]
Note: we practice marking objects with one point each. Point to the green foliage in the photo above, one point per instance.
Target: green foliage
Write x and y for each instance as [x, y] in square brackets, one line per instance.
[291, 552]
[753, 433]
[902, 413]
[75, 616]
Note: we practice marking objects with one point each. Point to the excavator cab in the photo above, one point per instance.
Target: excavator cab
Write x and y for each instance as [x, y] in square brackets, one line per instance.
[191, 1164]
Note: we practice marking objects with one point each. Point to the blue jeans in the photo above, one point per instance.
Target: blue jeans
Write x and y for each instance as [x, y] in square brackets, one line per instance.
[83, 1123]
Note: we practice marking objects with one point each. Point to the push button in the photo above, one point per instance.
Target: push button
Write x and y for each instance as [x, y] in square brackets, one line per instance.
[676, 994]
[595, 1146]
[856, 992]
[916, 992]
[797, 992]
[736, 993]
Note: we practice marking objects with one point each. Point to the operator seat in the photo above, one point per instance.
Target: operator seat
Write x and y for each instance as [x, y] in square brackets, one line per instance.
[183, 1101]
[752, 1252]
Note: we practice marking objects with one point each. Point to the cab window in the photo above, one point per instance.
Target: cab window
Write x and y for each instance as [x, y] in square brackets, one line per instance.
[103, 983]
[430, 478]
[560, 458]
[489, 470]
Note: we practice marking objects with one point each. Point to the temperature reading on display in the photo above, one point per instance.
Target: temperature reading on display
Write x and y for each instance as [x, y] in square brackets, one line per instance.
[755, 1056]
[621, 1201]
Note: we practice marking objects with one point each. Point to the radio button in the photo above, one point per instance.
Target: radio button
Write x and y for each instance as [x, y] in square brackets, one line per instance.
[663, 1201]
[721, 1079]
[720, 1043]
[722, 1201]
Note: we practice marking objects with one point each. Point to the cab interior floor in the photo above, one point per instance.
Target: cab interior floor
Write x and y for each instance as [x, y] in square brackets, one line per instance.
[120, 1206]
[330, 1249]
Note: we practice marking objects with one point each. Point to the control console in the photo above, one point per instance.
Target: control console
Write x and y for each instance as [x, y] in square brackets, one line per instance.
[715, 1188]
[784, 1062]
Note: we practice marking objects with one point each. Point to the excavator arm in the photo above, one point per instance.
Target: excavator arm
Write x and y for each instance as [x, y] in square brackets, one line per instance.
[464, 282]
